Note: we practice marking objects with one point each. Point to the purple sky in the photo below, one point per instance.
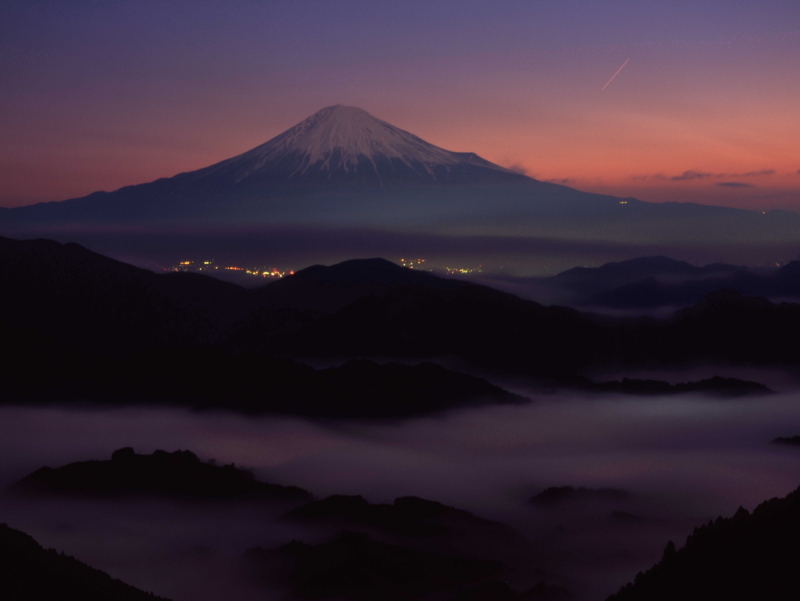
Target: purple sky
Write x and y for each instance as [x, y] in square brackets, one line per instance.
[97, 95]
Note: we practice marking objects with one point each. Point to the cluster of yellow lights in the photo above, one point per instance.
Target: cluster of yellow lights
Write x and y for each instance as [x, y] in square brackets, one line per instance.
[265, 272]
[410, 263]
[464, 270]
[418, 263]
[268, 273]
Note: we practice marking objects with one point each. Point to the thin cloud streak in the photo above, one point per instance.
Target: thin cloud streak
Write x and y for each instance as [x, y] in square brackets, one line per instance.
[615, 74]
[757, 173]
[693, 174]
[690, 175]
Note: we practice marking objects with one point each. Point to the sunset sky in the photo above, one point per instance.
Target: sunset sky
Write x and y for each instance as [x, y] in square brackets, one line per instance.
[95, 95]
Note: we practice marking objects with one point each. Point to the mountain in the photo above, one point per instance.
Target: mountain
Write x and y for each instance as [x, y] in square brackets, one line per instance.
[408, 516]
[337, 150]
[716, 386]
[646, 283]
[355, 566]
[179, 474]
[612, 275]
[747, 556]
[659, 281]
[565, 495]
[416, 523]
[90, 301]
[30, 573]
[640, 282]
[329, 288]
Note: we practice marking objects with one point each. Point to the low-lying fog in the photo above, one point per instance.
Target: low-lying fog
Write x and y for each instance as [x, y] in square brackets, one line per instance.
[684, 460]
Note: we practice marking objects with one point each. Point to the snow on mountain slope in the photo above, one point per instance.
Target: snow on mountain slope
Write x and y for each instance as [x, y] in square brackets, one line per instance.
[343, 144]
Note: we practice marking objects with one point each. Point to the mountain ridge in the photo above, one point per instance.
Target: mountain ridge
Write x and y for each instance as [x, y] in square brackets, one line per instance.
[746, 556]
[30, 572]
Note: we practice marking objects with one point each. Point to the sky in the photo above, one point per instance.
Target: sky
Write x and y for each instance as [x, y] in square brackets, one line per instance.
[96, 95]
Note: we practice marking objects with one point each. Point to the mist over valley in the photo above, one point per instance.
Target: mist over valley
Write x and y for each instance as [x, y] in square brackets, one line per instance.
[376, 382]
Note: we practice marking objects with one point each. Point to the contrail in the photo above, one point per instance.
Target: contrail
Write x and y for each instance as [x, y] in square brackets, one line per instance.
[615, 74]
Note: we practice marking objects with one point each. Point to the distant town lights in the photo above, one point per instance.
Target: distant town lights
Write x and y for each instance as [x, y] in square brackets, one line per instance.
[417, 263]
[212, 266]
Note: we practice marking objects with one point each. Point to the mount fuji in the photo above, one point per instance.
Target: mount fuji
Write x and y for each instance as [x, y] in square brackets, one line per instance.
[341, 166]
[343, 170]
[337, 150]
[346, 145]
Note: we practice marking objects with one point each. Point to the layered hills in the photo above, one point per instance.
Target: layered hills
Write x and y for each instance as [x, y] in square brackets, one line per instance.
[651, 282]
[406, 550]
[96, 329]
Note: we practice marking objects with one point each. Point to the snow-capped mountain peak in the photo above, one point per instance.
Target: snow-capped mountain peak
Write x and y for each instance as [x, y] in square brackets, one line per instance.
[355, 134]
[344, 144]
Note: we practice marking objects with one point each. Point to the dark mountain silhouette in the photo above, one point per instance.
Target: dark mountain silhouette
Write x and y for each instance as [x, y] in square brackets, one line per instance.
[252, 384]
[652, 292]
[92, 302]
[328, 289]
[412, 549]
[30, 573]
[726, 322]
[477, 324]
[787, 440]
[625, 518]
[652, 282]
[562, 495]
[354, 566]
[716, 385]
[417, 523]
[642, 283]
[613, 275]
[497, 331]
[357, 510]
[410, 516]
[786, 281]
[421, 525]
[178, 474]
[497, 590]
[745, 557]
